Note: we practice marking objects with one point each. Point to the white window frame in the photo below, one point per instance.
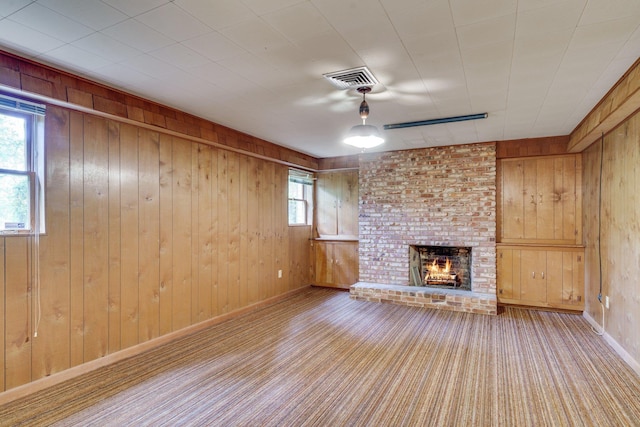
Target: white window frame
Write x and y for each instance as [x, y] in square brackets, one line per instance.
[34, 114]
[306, 179]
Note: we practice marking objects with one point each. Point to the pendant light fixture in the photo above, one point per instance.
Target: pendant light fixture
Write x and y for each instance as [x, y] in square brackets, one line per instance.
[364, 135]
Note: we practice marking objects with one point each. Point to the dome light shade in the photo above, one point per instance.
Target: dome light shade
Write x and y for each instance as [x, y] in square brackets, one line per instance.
[364, 136]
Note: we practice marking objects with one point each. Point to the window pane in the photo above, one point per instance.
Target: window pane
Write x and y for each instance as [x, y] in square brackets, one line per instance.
[296, 190]
[13, 143]
[14, 202]
[297, 212]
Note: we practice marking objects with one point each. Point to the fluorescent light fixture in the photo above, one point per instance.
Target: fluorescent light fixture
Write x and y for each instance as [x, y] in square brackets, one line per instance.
[436, 121]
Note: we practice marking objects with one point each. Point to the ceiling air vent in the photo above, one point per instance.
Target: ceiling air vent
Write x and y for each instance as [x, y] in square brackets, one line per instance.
[354, 77]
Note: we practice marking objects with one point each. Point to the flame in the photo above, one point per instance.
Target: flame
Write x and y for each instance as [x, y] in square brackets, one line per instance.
[438, 273]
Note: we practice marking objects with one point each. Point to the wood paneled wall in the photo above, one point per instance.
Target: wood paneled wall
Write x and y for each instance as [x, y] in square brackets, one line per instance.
[618, 229]
[147, 233]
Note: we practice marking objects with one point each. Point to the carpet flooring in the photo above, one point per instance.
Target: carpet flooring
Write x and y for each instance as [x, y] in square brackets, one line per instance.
[322, 359]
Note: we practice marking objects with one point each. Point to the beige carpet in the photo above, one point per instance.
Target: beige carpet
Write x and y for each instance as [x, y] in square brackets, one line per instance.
[322, 359]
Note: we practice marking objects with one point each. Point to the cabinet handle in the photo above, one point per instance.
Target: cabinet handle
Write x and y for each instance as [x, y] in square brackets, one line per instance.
[533, 274]
[543, 274]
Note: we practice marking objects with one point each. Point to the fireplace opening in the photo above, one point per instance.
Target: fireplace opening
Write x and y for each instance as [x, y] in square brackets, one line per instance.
[440, 266]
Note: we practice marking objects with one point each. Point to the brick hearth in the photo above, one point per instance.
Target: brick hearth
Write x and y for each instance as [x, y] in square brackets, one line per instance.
[417, 296]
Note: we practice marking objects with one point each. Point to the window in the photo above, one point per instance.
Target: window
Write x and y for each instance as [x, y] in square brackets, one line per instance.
[21, 166]
[300, 197]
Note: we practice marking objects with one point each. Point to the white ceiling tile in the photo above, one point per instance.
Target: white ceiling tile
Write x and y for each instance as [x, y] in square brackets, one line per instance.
[329, 52]
[616, 31]
[49, 22]
[138, 35]
[173, 22]
[26, 39]
[421, 20]
[7, 7]
[488, 32]
[214, 46]
[465, 12]
[252, 68]
[180, 56]
[122, 75]
[135, 7]
[255, 35]
[92, 13]
[524, 6]
[555, 17]
[147, 64]
[220, 76]
[599, 11]
[107, 47]
[261, 7]
[298, 22]
[219, 14]
[498, 55]
[436, 44]
[70, 55]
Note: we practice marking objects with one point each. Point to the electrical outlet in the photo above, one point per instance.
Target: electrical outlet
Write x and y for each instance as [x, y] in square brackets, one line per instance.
[279, 274]
[606, 302]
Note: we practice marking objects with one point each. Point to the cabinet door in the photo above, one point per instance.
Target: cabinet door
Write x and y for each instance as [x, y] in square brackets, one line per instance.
[336, 264]
[508, 271]
[533, 276]
[323, 263]
[345, 266]
[565, 286]
[348, 204]
[327, 191]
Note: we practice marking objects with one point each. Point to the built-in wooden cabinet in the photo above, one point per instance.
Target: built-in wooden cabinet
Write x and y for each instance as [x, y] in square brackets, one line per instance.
[548, 276]
[540, 255]
[336, 263]
[540, 200]
[337, 204]
[335, 248]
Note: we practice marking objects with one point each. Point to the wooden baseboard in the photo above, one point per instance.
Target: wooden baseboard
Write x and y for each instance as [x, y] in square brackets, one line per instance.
[633, 363]
[59, 377]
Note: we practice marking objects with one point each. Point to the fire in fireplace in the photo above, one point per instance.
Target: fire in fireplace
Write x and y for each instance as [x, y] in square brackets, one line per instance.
[440, 266]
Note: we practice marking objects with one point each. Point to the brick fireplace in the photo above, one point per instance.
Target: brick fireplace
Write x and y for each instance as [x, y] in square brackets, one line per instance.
[442, 196]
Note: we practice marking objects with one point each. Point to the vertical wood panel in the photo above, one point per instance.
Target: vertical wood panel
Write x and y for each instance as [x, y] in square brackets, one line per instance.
[547, 201]
[280, 184]
[149, 237]
[243, 293]
[115, 236]
[223, 232]
[253, 255]
[166, 234]
[233, 261]
[129, 311]
[268, 230]
[51, 347]
[205, 239]
[530, 199]
[18, 312]
[182, 289]
[76, 226]
[512, 199]
[96, 233]
[216, 243]
[195, 232]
